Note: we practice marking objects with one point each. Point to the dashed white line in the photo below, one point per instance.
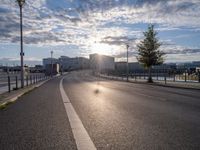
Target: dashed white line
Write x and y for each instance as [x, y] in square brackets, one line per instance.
[83, 140]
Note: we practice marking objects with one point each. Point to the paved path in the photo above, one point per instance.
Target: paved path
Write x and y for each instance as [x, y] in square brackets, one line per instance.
[116, 115]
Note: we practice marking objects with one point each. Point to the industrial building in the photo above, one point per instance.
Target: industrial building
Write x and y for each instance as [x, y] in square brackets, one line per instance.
[102, 62]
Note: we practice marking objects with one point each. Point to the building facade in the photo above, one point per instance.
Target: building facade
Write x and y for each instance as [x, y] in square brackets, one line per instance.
[101, 62]
[47, 61]
[76, 63]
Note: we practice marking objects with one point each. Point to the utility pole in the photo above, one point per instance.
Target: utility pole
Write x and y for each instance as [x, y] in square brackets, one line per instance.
[127, 66]
[51, 63]
[21, 3]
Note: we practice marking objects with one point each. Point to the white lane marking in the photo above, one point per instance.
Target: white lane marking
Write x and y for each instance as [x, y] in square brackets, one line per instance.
[83, 140]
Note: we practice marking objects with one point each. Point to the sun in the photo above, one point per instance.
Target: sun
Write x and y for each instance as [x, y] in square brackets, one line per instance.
[101, 48]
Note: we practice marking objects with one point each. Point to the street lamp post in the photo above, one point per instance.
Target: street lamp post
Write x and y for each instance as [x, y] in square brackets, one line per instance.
[21, 3]
[51, 63]
[127, 66]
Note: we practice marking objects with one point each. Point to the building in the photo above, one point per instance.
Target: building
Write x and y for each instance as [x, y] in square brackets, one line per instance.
[164, 67]
[102, 62]
[135, 67]
[191, 66]
[121, 67]
[47, 61]
[52, 69]
[51, 66]
[37, 69]
[76, 63]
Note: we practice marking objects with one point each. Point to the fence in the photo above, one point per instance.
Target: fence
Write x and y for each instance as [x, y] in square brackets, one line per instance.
[11, 82]
[165, 77]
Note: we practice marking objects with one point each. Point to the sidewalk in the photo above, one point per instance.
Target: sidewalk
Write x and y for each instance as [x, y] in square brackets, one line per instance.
[37, 120]
[14, 95]
[177, 84]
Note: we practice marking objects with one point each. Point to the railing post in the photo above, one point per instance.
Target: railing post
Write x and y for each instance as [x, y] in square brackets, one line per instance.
[157, 74]
[165, 79]
[31, 79]
[34, 79]
[185, 77]
[16, 82]
[9, 84]
[174, 76]
[27, 80]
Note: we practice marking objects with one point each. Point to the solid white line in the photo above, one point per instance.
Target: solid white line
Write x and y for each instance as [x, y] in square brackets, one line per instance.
[83, 140]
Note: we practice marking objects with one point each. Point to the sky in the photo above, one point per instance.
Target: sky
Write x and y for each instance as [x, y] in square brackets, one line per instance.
[80, 27]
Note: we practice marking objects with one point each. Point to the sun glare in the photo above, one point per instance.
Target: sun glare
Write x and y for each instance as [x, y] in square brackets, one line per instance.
[101, 48]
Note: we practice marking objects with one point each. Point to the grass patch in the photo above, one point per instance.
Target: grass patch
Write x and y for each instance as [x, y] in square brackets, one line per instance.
[4, 105]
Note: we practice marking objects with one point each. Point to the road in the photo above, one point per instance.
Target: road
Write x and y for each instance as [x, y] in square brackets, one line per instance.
[116, 115]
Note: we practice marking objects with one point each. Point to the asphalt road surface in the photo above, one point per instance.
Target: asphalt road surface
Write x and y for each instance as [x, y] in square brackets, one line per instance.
[116, 115]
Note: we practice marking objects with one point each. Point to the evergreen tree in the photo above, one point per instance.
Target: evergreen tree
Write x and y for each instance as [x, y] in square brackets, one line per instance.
[148, 51]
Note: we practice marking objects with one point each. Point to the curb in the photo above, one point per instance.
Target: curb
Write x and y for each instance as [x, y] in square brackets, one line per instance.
[13, 99]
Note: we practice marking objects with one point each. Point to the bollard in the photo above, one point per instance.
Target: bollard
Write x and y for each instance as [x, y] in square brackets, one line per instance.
[26, 80]
[31, 79]
[16, 82]
[165, 79]
[174, 77]
[199, 75]
[9, 84]
[185, 77]
[34, 79]
[157, 75]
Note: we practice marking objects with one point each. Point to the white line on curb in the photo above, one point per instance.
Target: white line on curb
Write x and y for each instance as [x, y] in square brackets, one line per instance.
[83, 141]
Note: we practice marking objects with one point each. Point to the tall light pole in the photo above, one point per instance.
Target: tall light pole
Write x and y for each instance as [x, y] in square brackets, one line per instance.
[127, 67]
[51, 63]
[21, 3]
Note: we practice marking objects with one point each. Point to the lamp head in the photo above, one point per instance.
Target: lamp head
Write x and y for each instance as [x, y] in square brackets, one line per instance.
[20, 2]
[127, 46]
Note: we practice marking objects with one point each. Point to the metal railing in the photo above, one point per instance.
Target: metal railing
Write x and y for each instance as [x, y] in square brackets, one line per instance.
[12, 82]
[165, 77]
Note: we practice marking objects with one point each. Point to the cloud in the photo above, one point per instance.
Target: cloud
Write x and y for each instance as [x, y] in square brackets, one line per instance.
[42, 16]
[121, 40]
[82, 23]
[11, 61]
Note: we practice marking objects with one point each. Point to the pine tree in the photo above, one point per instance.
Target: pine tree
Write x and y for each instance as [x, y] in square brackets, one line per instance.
[148, 51]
